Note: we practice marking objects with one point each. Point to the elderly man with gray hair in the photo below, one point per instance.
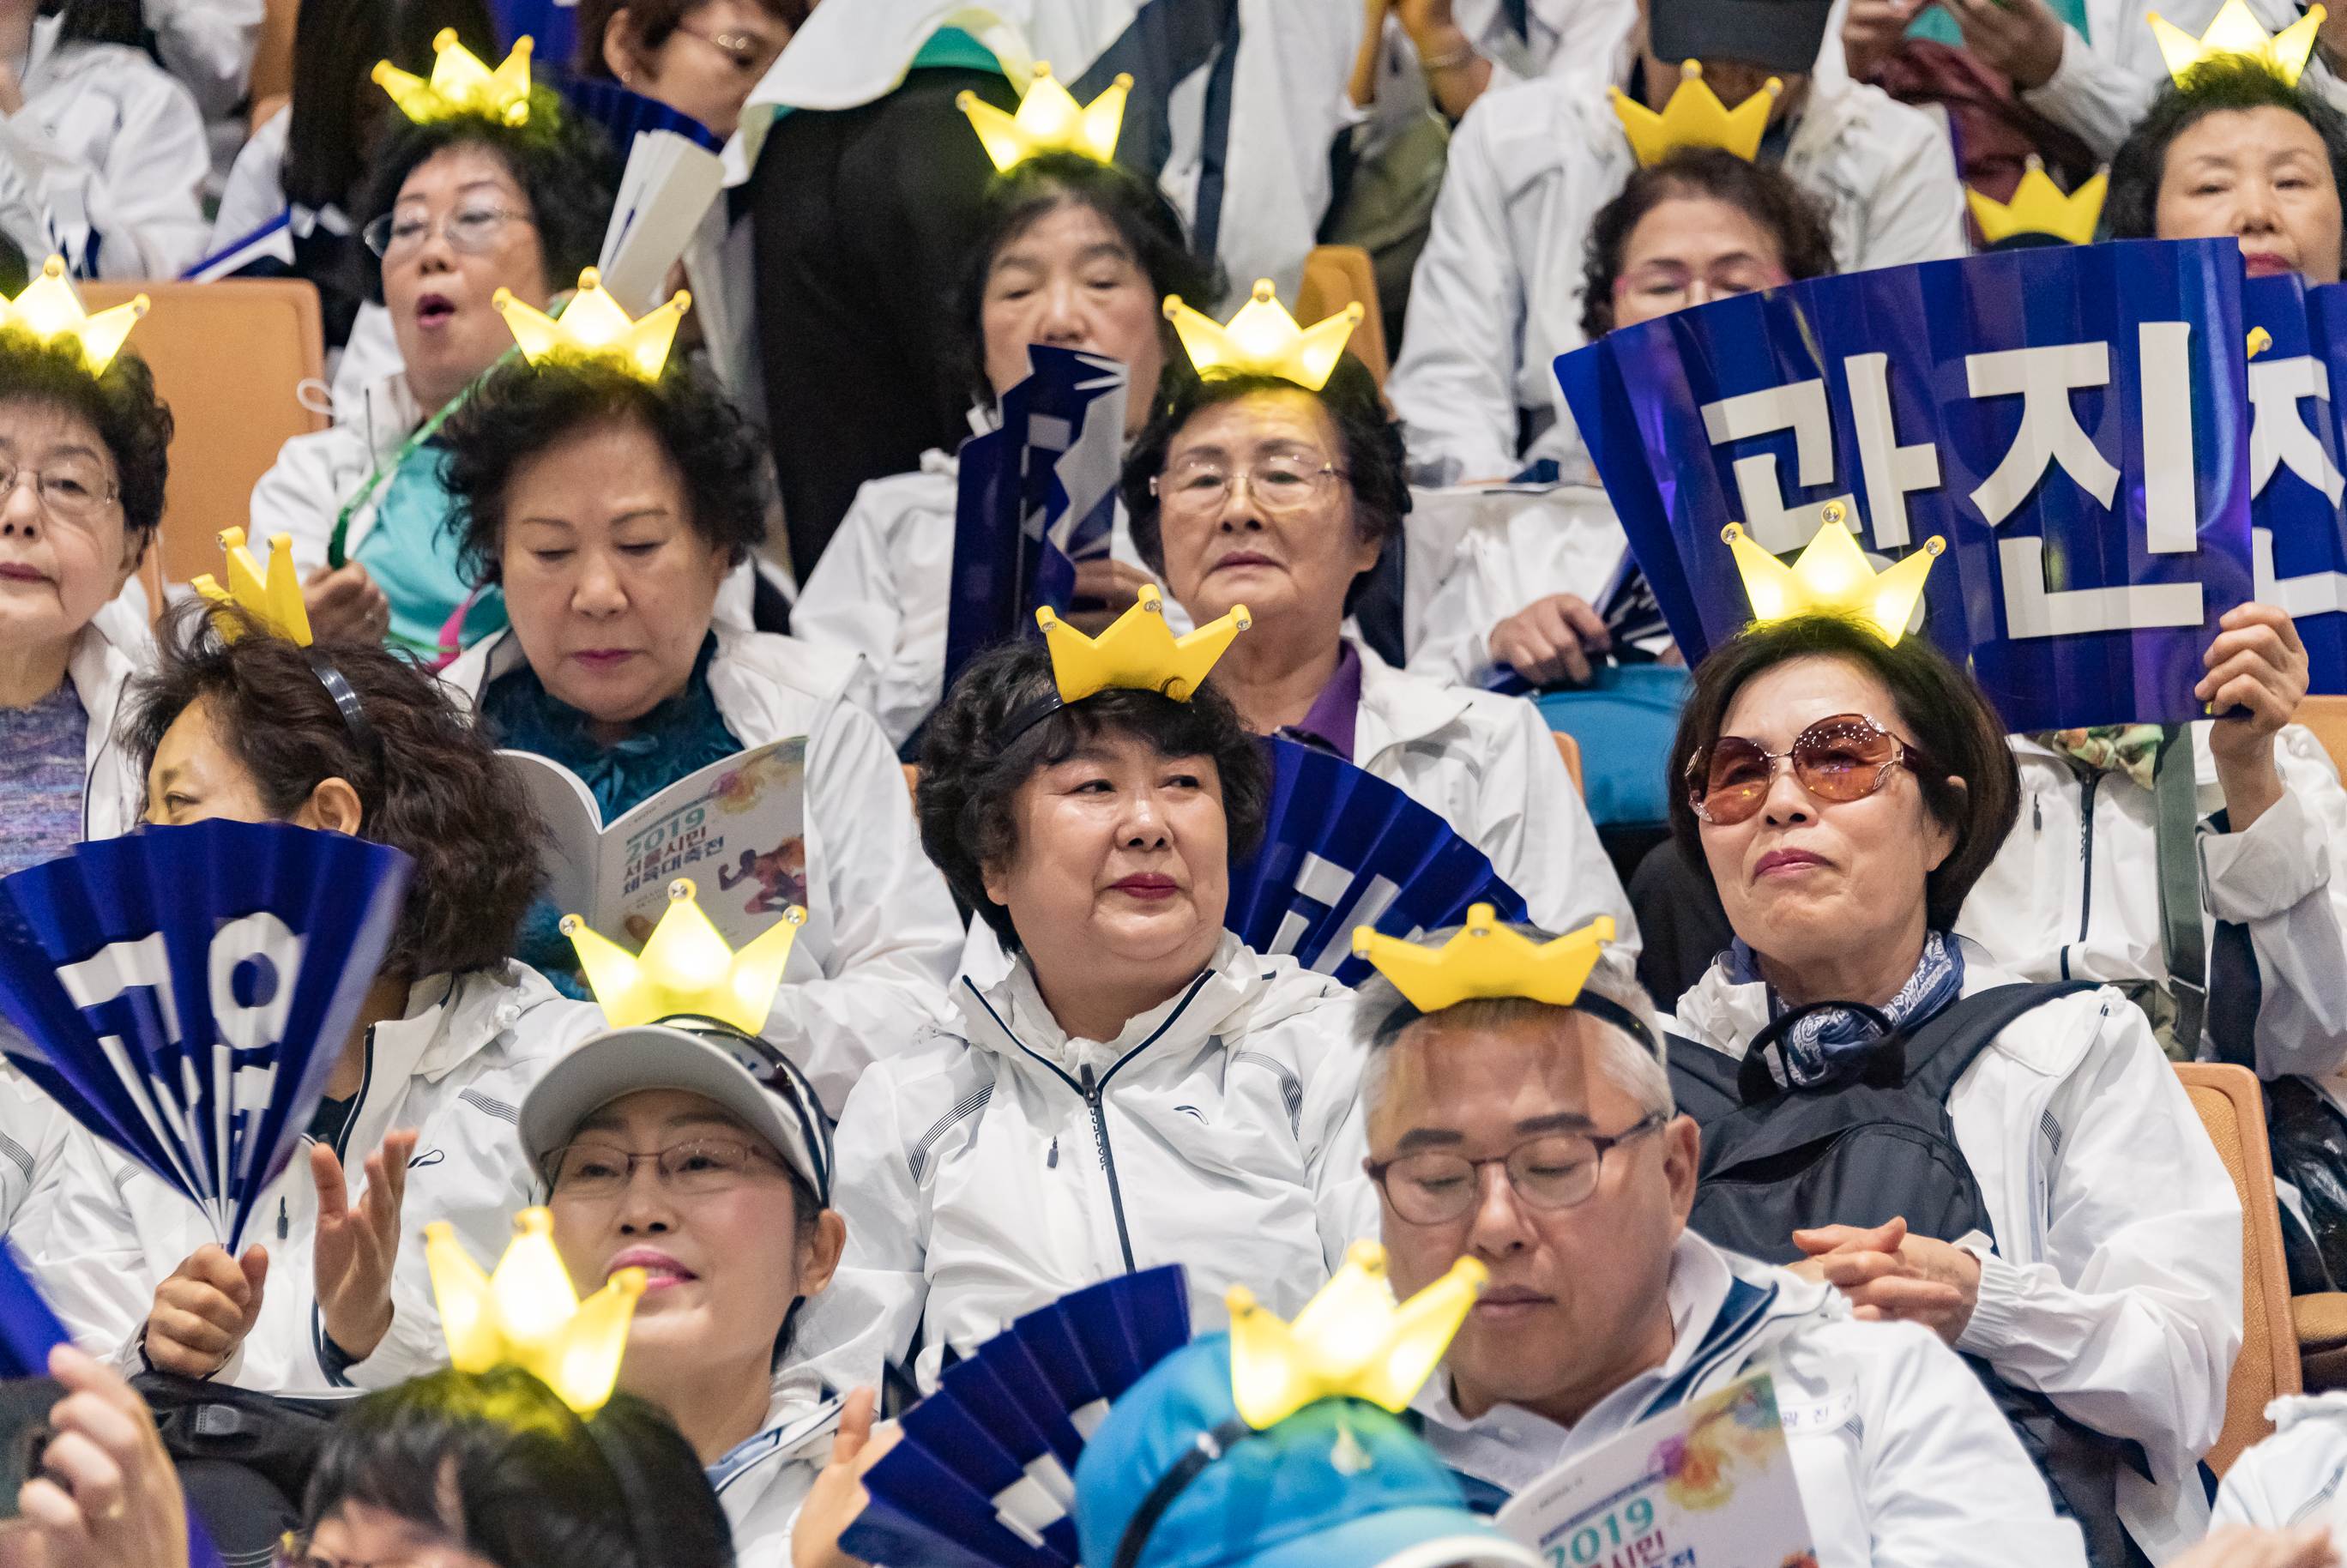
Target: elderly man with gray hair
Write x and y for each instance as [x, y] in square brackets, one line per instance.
[1519, 1113]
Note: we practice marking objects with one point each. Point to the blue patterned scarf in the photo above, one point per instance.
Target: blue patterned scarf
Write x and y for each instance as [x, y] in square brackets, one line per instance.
[1832, 1043]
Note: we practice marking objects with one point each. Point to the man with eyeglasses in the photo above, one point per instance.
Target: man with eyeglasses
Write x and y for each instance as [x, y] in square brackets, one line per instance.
[1543, 1141]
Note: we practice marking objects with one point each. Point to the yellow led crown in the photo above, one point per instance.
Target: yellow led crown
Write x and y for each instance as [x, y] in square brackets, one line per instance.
[594, 323]
[1694, 118]
[2040, 208]
[1139, 651]
[1832, 578]
[1049, 121]
[274, 601]
[1350, 1340]
[527, 1315]
[1263, 339]
[2237, 32]
[49, 308]
[686, 967]
[1486, 958]
[461, 85]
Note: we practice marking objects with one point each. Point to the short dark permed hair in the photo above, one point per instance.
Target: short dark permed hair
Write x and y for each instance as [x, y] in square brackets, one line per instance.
[562, 161]
[119, 402]
[435, 791]
[520, 409]
[972, 765]
[1799, 221]
[1373, 460]
[494, 1462]
[1940, 707]
[2225, 82]
[1146, 224]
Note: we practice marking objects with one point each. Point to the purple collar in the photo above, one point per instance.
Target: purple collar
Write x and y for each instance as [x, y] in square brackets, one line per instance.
[1331, 720]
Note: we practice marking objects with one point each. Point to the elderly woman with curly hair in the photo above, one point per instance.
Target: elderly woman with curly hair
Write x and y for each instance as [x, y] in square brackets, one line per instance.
[610, 509]
[455, 209]
[1140, 1088]
[449, 1034]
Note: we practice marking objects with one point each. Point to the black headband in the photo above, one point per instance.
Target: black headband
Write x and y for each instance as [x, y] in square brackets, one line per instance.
[354, 719]
[1605, 1010]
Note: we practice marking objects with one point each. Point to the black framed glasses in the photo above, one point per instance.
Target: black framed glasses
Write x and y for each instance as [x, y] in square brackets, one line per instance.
[1555, 1171]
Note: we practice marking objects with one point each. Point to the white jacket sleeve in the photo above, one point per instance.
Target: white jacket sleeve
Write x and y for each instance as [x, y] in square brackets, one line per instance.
[90, 1264]
[136, 209]
[207, 46]
[304, 490]
[2275, 877]
[1454, 387]
[895, 933]
[1916, 211]
[853, 602]
[1538, 833]
[865, 1318]
[2131, 1315]
[2285, 1480]
[2097, 99]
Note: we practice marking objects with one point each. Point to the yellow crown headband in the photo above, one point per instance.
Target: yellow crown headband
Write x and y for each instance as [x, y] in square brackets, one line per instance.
[2237, 32]
[461, 85]
[49, 309]
[1350, 1341]
[594, 324]
[1263, 339]
[527, 1314]
[1049, 121]
[1831, 576]
[686, 967]
[1138, 652]
[274, 600]
[1694, 118]
[2039, 206]
[1486, 958]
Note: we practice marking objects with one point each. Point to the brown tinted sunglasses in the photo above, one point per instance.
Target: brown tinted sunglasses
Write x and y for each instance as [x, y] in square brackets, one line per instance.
[1846, 757]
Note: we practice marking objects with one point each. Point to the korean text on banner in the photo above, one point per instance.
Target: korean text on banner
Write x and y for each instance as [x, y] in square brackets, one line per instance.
[2298, 511]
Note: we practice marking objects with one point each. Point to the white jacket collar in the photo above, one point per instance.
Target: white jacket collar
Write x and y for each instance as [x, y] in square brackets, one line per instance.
[1009, 1017]
[1398, 707]
[453, 1017]
[389, 414]
[1719, 1013]
[742, 675]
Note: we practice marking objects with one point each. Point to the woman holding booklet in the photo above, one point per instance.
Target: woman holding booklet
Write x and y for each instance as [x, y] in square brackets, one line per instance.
[610, 505]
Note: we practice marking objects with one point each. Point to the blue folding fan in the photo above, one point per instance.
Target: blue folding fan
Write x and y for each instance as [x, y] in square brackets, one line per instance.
[1344, 848]
[984, 1477]
[184, 992]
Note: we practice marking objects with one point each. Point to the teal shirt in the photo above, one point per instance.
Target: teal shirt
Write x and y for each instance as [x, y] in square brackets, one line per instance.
[411, 553]
[1937, 26]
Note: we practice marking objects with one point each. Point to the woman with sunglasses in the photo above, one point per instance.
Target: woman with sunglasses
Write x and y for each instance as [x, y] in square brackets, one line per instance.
[457, 210]
[1844, 796]
[1251, 489]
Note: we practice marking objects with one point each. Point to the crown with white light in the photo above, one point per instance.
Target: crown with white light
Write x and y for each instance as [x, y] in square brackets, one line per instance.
[1049, 120]
[593, 323]
[2237, 32]
[1138, 651]
[49, 309]
[1263, 339]
[686, 967]
[461, 85]
[1694, 118]
[274, 600]
[528, 1314]
[2040, 207]
[1350, 1341]
[1832, 577]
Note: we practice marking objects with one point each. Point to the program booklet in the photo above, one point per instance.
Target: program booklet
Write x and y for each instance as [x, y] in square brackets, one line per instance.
[1708, 1485]
[736, 827]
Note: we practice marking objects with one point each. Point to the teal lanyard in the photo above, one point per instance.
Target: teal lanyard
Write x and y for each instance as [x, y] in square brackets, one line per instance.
[337, 557]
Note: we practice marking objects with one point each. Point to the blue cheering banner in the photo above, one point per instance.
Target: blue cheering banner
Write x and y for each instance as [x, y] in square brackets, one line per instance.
[1343, 848]
[2073, 421]
[984, 1476]
[184, 992]
[2296, 343]
[1039, 494]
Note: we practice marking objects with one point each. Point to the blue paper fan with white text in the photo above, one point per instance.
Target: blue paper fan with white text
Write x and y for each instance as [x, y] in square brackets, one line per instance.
[184, 992]
[1344, 848]
[984, 1477]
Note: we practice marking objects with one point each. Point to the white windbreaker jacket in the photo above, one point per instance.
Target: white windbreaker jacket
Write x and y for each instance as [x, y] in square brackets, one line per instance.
[2293, 1477]
[2112, 1280]
[1902, 1460]
[762, 1482]
[1497, 294]
[35, 1132]
[883, 589]
[868, 971]
[1478, 556]
[105, 164]
[456, 1067]
[116, 645]
[989, 1172]
[2074, 892]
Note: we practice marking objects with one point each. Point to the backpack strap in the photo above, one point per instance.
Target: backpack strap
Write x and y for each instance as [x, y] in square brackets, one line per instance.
[1940, 1049]
[1702, 1081]
[2176, 815]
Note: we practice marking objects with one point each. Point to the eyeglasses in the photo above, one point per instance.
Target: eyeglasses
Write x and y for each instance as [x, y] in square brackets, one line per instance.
[592, 1170]
[749, 52]
[70, 492]
[471, 230]
[1201, 488]
[1672, 285]
[1550, 1172]
[1846, 757]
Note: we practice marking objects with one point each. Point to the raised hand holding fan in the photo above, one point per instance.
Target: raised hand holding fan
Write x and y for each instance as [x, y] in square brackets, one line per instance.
[184, 992]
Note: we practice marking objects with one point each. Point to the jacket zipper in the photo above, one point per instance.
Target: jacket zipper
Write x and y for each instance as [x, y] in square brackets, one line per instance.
[2087, 853]
[341, 1146]
[1091, 1092]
